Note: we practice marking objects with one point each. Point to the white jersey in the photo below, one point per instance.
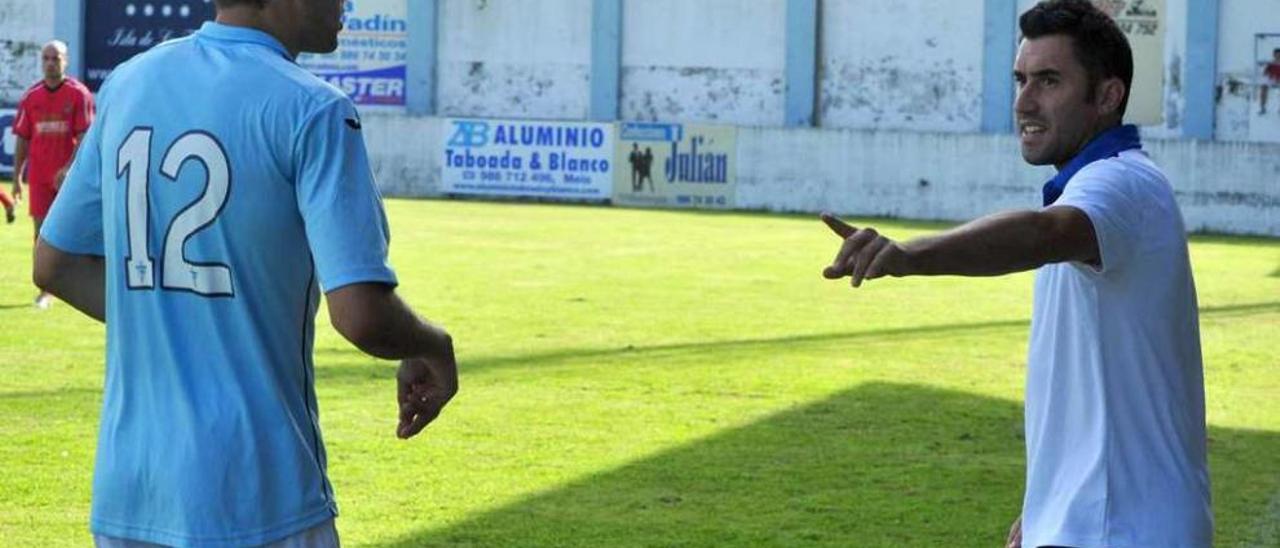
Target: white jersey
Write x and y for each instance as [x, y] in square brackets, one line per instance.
[1115, 418]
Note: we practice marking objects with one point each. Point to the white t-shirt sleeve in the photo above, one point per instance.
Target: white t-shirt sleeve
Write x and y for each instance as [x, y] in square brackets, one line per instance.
[1109, 196]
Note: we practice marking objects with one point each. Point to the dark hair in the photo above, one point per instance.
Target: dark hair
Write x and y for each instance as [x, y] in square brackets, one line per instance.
[1097, 41]
[230, 3]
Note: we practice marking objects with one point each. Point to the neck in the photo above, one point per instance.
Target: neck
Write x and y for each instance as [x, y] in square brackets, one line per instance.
[263, 19]
[1102, 128]
[54, 82]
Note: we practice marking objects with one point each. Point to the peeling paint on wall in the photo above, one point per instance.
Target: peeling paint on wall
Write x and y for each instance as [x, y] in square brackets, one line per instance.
[24, 26]
[514, 59]
[702, 94]
[505, 90]
[708, 61]
[894, 94]
[19, 68]
[907, 64]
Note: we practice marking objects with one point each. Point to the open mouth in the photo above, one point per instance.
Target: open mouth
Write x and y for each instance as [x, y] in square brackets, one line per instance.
[1028, 129]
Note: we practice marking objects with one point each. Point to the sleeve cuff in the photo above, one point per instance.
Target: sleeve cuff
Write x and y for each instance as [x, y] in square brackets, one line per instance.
[381, 275]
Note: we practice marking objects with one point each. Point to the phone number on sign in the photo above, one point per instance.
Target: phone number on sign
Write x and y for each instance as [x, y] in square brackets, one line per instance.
[524, 177]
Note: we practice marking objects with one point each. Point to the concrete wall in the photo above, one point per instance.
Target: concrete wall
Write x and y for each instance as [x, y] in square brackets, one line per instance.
[514, 59]
[404, 152]
[910, 65]
[906, 64]
[1221, 187]
[24, 26]
[719, 61]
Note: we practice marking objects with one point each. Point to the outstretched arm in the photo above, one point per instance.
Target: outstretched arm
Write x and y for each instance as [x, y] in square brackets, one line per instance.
[996, 244]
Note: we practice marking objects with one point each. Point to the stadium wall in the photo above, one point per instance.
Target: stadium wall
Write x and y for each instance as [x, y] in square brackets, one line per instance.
[24, 26]
[882, 70]
[1230, 188]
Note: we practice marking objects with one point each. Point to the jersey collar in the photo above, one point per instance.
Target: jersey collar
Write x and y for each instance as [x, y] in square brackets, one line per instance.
[230, 33]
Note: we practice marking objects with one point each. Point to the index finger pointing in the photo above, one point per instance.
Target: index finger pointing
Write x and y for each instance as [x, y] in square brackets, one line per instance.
[841, 228]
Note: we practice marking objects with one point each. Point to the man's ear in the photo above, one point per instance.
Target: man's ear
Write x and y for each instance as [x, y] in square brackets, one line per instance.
[1110, 94]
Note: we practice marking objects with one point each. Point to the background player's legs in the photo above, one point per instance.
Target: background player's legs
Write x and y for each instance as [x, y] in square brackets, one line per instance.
[43, 300]
[39, 200]
[8, 206]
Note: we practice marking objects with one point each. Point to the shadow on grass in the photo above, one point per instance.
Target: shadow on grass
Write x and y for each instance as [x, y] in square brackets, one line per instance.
[363, 370]
[878, 465]
[556, 356]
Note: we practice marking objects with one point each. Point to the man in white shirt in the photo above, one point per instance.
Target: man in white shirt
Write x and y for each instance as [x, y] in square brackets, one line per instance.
[1115, 426]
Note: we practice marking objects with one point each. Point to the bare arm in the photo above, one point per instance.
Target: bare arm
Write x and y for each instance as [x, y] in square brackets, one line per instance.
[374, 318]
[62, 172]
[996, 244]
[19, 163]
[80, 280]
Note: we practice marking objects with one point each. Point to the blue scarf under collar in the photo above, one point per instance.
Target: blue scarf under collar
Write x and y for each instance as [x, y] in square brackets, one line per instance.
[1105, 145]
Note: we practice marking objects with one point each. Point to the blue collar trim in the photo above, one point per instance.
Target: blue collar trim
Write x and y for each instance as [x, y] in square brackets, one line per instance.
[1107, 144]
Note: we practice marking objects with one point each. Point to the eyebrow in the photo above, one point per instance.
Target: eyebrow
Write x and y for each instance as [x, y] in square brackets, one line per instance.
[1039, 73]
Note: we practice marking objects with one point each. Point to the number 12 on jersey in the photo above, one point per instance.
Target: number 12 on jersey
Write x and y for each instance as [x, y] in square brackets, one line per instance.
[133, 162]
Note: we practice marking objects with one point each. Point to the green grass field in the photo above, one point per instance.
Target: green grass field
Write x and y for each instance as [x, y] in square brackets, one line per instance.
[658, 378]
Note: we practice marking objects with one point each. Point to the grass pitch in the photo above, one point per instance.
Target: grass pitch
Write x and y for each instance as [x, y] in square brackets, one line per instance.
[658, 378]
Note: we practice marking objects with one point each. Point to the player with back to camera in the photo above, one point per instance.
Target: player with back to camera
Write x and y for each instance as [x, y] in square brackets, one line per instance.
[1115, 423]
[222, 189]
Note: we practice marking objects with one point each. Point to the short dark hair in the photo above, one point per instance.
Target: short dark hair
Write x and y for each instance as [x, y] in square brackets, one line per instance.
[230, 3]
[1096, 40]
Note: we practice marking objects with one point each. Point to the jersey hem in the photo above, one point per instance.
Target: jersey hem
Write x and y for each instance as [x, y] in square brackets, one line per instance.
[108, 528]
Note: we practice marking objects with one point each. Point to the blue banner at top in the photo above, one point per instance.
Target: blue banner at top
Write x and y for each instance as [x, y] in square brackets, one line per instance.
[116, 30]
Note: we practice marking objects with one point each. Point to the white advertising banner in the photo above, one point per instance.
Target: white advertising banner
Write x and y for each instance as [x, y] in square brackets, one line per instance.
[524, 158]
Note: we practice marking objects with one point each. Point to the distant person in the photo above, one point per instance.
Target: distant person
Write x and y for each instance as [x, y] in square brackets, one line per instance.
[1270, 78]
[52, 118]
[222, 190]
[1115, 419]
[646, 168]
[635, 158]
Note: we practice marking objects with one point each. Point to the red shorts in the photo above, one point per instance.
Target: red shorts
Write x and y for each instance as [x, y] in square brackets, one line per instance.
[40, 199]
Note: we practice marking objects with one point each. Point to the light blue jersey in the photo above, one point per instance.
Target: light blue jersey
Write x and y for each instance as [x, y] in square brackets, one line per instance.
[226, 187]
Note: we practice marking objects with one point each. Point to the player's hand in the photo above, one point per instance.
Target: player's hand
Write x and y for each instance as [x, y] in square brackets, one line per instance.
[864, 255]
[17, 188]
[425, 385]
[1014, 539]
[58, 178]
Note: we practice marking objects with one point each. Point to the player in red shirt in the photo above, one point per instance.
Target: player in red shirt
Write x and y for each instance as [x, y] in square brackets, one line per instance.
[1271, 77]
[52, 117]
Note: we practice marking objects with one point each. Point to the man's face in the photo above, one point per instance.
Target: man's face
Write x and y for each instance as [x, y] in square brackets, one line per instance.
[319, 23]
[1054, 119]
[53, 62]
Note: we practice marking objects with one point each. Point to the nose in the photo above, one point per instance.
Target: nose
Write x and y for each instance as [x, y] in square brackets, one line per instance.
[1024, 102]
